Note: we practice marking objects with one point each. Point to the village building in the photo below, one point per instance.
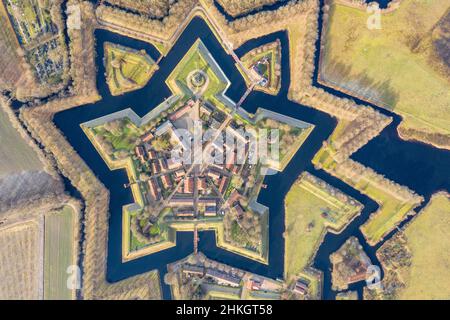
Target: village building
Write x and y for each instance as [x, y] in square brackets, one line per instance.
[215, 124]
[217, 166]
[147, 137]
[193, 270]
[166, 182]
[239, 210]
[185, 212]
[255, 284]
[234, 196]
[180, 202]
[301, 287]
[151, 155]
[163, 164]
[166, 127]
[235, 169]
[156, 168]
[154, 189]
[207, 202]
[223, 184]
[173, 164]
[230, 160]
[179, 140]
[223, 278]
[139, 150]
[360, 272]
[182, 111]
[179, 174]
[189, 185]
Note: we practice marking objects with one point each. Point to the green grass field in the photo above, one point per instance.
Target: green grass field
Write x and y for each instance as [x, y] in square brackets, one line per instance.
[124, 138]
[428, 239]
[127, 69]
[389, 66]
[305, 225]
[15, 154]
[59, 253]
[392, 211]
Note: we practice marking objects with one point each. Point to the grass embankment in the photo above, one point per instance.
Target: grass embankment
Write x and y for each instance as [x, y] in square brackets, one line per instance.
[272, 52]
[391, 67]
[59, 254]
[392, 209]
[127, 69]
[428, 239]
[15, 154]
[305, 224]
[194, 60]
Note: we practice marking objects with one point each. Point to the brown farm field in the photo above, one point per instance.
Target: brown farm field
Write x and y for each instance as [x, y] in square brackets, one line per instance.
[20, 264]
[16, 154]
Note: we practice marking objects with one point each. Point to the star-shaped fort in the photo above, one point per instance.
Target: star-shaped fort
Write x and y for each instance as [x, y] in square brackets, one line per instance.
[212, 149]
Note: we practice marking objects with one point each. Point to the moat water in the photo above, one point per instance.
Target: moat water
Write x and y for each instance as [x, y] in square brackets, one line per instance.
[420, 167]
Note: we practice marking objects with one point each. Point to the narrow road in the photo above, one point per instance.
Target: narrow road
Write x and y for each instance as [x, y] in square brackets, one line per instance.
[245, 95]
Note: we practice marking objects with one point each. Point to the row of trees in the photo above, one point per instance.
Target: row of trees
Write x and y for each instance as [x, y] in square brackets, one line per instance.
[238, 7]
[354, 171]
[439, 140]
[82, 52]
[336, 193]
[139, 24]
[358, 133]
[150, 8]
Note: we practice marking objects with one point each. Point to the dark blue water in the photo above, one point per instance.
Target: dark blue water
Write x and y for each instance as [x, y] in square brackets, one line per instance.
[420, 167]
